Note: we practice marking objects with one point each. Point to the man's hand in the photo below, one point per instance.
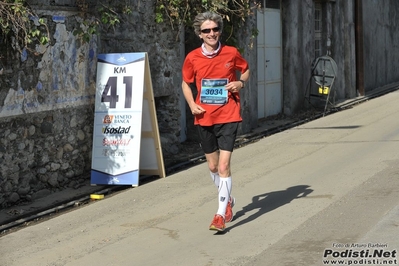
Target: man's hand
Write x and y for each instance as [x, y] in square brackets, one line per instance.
[196, 109]
[234, 86]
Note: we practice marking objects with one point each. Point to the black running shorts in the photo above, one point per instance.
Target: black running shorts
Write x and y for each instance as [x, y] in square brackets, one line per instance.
[218, 137]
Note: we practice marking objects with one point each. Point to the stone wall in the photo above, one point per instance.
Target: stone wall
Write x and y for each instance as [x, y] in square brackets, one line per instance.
[46, 113]
[47, 99]
[43, 153]
[138, 32]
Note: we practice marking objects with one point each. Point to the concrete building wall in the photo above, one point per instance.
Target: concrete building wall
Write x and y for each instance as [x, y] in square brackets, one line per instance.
[343, 47]
[380, 46]
[249, 106]
[381, 43]
[299, 49]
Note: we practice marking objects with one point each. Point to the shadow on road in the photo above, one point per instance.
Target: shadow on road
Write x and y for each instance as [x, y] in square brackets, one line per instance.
[268, 202]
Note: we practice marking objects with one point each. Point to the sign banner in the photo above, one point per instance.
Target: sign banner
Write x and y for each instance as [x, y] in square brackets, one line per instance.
[118, 119]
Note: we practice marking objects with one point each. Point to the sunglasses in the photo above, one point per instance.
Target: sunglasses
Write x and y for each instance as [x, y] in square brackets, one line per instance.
[216, 29]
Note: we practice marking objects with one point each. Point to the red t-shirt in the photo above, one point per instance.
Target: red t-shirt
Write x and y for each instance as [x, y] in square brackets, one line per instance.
[224, 65]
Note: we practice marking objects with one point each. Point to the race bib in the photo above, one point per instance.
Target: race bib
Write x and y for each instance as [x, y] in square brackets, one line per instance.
[213, 91]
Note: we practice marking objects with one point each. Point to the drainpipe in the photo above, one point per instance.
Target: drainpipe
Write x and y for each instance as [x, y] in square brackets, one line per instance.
[183, 124]
[359, 46]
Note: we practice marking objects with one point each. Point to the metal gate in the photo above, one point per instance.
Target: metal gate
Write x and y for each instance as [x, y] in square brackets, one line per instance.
[270, 93]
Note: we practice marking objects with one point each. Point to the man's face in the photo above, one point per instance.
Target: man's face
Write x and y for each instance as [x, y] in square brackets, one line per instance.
[210, 33]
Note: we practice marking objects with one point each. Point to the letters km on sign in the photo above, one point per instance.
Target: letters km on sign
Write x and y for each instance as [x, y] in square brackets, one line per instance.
[126, 140]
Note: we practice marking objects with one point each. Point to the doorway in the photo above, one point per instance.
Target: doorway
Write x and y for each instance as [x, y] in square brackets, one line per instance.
[269, 83]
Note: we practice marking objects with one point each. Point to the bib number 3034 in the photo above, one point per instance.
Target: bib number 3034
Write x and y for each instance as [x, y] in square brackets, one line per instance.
[110, 95]
[213, 91]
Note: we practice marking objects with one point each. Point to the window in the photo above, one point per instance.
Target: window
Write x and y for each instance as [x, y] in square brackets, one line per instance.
[317, 30]
[274, 4]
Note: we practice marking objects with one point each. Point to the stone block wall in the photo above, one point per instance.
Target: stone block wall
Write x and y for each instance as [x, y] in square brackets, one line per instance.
[47, 99]
[43, 153]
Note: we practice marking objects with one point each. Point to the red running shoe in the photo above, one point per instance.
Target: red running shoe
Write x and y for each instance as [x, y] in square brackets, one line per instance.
[217, 223]
[228, 216]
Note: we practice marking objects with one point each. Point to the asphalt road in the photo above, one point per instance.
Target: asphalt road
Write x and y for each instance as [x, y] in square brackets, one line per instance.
[324, 191]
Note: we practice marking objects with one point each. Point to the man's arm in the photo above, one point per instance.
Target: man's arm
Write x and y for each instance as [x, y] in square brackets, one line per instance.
[188, 95]
[245, 76]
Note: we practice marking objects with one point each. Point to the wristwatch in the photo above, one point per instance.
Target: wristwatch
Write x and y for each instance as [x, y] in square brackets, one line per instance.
[243, 83]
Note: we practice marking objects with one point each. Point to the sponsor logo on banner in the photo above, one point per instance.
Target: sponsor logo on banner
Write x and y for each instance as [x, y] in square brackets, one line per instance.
[115, 130]
[117, 119]
[116, 142]
[108, 119]
[121, 59]
[115, 153]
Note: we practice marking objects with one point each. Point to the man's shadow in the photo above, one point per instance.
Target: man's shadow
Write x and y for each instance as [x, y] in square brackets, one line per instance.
[270, 201]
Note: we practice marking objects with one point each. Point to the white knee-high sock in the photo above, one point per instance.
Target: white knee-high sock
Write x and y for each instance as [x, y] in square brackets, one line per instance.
[216, 179]
[225, 186]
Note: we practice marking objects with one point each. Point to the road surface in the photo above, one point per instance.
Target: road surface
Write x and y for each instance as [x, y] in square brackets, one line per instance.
[324, 191]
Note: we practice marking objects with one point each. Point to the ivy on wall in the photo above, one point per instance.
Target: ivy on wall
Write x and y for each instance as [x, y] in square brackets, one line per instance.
[174, 12]
[182, 12]
[20, 23]
[106, 15]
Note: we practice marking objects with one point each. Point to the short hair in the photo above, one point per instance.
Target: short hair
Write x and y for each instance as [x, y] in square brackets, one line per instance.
[202, 17]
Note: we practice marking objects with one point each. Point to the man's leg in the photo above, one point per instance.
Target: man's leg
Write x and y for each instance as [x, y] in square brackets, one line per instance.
[226, 135]
[213, 161]
[215, 178]
[225, 183]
